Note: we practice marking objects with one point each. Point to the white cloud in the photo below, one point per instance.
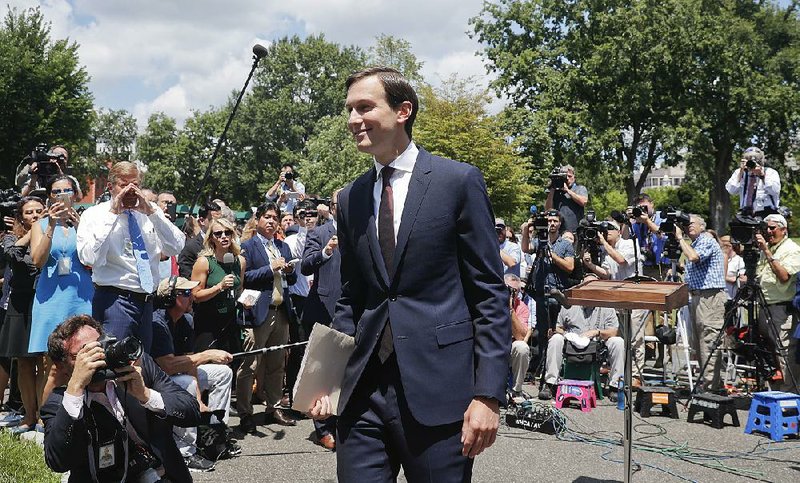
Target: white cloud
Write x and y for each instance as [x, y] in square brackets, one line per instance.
[179, 55]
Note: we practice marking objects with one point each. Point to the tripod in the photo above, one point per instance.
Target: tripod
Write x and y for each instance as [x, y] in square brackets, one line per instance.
[542, 262]
[751, 297]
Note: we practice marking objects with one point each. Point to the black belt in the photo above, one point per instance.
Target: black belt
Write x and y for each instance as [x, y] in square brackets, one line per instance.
[708, 290]
[130, 294]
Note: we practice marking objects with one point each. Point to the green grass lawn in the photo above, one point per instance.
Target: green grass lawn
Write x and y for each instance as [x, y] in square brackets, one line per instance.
[23, 461]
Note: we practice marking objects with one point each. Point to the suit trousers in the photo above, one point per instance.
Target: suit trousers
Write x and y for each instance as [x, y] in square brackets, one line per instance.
[123, 316]
[783, 326]
[268, 369]
[376, 435]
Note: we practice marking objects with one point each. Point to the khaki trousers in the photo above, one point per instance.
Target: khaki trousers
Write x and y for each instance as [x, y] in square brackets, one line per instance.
[707, 310]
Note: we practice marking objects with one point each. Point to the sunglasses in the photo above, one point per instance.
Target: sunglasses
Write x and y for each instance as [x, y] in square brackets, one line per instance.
[62, 191]
[218, 234]
[772, 227]
[186, 292]
[303, 214]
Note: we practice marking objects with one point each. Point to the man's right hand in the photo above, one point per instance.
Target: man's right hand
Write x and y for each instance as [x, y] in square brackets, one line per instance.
[322, 409]
[90, 358]
[278, 264]
[332, 244]
[216, 356]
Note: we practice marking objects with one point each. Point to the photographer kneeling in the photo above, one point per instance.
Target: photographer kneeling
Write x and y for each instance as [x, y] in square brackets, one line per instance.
[113, 420]
[705, 275]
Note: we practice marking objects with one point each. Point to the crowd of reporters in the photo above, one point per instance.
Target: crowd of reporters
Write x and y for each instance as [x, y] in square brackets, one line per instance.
[121, 280]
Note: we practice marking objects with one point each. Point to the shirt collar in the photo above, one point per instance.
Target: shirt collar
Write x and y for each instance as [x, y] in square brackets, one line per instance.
[264, 240]
[404, 162]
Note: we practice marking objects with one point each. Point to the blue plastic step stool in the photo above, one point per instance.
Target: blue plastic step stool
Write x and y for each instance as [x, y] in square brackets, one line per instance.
[774, 413]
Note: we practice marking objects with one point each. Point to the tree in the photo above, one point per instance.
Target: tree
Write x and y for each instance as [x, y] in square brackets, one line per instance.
[615, 85]
[159, 148]
[390, 51]
[297, 83]
[454, 124]
[43, 91]
[331, 159]
[114, 133]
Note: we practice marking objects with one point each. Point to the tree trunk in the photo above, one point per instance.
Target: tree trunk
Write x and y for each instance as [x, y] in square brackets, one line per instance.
[719, 205]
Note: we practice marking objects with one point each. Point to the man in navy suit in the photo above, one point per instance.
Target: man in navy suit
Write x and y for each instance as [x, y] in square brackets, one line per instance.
[269, 272]
[143, 395]
[322, 259]
[423, 296]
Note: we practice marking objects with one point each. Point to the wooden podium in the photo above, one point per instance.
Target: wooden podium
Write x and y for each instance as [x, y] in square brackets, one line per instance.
[626, 296]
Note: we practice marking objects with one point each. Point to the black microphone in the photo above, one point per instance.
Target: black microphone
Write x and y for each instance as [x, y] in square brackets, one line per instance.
[260, 51]
[228, 260]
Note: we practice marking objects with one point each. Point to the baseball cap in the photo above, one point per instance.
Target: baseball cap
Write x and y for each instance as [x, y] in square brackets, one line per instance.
[499, 223]
[180, 284]
[779, 219]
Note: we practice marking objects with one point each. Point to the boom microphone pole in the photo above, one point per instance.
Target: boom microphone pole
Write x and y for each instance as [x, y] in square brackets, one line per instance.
[267, 349]
[259, 51]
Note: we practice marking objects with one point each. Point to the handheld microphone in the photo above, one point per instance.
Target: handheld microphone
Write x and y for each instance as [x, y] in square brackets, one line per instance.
[228, 260]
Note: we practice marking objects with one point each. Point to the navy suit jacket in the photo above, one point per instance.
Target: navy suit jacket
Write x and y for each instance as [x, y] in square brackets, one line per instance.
[327, 287]
[446, 302]
[66, 440]
[258, 276]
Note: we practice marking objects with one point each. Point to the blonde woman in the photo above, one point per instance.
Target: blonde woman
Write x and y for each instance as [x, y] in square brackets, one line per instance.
[220, 284]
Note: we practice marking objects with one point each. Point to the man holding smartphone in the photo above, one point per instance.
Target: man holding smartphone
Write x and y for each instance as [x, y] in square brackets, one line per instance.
[123, 239]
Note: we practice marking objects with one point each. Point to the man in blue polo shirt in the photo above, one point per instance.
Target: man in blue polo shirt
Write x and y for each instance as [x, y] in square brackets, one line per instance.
[705, 275]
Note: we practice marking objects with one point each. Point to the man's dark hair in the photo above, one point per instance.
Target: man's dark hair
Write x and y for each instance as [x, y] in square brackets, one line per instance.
[288, 165]
[304, 205]
[56, 343]
[398, 89]
[642, 197]
[208, 206]
[265, 207]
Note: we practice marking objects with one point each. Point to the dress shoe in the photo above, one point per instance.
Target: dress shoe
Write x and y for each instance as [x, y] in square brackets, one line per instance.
[280, 417]
[285, 401]
[328, 442]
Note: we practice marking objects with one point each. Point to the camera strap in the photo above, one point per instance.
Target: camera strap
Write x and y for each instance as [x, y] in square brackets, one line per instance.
[101, 453]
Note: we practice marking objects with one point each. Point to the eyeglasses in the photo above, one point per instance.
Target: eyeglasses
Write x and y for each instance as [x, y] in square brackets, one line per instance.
[218, 234]
[186, 292]
[64, 191]
[772, 227]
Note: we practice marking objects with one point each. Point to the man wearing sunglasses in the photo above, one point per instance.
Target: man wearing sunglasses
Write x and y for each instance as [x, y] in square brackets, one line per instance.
[777, 275]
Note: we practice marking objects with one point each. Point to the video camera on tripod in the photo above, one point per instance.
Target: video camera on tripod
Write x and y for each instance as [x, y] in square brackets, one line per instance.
[541, 226]
[743, 229]
[672, 218]
[586, 235]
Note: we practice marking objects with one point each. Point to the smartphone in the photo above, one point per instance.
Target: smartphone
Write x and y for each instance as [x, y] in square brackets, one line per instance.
[294, 261]
[65, 198]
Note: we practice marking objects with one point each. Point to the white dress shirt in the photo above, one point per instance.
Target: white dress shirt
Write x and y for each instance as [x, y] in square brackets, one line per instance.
[104, 243]
[621, 272]
[296, 243]
[403, 165]
[768, 189]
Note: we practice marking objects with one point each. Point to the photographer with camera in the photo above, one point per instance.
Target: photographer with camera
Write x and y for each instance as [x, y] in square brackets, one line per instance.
[645, 225]
[39, 168]
[758, 186]
[510, 252]
[566, 196]
[620, 259]
[705, 275]
[115, 402]
[776, 273]
[554, 262]
[287, 190]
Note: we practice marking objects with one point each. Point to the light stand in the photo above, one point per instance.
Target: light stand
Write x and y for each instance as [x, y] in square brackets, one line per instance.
[259, 51]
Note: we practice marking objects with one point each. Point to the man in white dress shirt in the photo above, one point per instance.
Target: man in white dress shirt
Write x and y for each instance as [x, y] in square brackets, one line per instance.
[122, 240]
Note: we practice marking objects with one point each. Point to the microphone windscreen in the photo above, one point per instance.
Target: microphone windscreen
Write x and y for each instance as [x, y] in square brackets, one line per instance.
[259, 50]
[228, 258]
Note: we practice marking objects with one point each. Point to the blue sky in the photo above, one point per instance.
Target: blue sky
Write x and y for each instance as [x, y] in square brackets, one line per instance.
[177, 56]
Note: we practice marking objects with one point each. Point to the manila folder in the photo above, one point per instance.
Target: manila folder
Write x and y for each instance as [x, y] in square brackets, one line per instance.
[323, 367]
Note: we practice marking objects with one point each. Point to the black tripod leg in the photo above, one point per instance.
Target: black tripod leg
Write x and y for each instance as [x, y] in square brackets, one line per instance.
[775, 333]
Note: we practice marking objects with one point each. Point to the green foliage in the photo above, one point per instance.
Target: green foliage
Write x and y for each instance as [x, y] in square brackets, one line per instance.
[615, 85]
[114, 133]
[23, 461]
[390, 51]
[43, 91]
[159, 148]
[331, 159]
[454, 124]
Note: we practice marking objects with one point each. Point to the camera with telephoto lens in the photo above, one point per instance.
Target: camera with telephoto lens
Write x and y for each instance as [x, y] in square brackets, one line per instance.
[750, 164]
[9, 199]
[637, 211]
[672, 218]
[589, 229]
[558, 178]
[288, 175]
[119, 353]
